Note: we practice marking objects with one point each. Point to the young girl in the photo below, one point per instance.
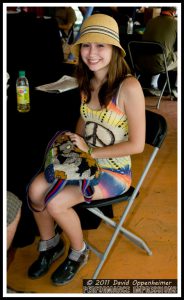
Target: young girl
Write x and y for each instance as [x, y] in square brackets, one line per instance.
[111, 128]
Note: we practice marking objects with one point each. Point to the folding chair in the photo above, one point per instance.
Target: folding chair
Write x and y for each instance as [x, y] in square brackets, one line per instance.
[140, 54]
[156, 129]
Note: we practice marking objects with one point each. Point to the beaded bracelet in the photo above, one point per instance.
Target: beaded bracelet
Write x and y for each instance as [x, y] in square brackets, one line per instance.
[90, 150]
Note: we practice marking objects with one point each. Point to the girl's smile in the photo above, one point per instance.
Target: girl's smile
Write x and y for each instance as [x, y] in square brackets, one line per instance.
[96, 56]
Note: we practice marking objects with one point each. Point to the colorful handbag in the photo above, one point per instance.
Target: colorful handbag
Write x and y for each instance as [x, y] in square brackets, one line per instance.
[66, 162]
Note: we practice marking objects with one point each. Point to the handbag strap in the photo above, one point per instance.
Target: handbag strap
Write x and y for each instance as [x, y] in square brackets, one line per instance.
[50, 143]
[55, 188]
[86, 188]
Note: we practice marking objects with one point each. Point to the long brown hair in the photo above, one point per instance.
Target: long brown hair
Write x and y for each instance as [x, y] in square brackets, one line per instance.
[118, 69]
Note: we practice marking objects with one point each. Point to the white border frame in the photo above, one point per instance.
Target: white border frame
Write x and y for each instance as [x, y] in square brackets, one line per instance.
[5, 5]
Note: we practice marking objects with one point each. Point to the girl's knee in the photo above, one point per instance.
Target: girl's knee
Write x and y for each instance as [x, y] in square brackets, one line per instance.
[64, 200]
[35, 199]
[55, 207]
[37, 189]
[33, 192]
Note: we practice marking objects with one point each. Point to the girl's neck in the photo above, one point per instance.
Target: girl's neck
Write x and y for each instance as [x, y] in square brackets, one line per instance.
[95, 84]
[100, 76]
[97, 81]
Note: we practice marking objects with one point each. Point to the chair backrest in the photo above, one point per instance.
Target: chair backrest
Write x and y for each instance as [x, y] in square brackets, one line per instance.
[146, 47]
[156, 129]
[145, 56]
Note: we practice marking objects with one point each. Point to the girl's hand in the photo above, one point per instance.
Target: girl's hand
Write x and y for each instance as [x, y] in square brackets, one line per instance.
[78, 141]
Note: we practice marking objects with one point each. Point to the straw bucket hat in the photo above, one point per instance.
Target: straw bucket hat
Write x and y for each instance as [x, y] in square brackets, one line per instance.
[98, 28]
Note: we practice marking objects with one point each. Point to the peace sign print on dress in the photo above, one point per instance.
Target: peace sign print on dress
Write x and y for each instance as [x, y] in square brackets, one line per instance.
[98, 135]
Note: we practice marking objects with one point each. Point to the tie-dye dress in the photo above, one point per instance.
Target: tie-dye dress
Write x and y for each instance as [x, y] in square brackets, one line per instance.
[106, 127]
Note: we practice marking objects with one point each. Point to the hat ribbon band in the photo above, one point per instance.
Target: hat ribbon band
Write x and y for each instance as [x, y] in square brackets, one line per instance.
[100, 30]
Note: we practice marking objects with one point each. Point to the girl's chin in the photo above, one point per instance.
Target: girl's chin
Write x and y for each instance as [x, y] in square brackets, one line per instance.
[94, 67]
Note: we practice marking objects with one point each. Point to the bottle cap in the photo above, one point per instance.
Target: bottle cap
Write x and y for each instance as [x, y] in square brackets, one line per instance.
[21, 73]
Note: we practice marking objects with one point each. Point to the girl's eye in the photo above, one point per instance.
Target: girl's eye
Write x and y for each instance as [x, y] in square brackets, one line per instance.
[84, 45]
[100, 45]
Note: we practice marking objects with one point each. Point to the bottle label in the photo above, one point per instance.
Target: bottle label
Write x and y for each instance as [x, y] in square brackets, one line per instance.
[23, 95]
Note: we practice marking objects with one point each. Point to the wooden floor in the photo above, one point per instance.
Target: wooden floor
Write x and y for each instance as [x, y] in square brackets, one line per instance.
[154, 218]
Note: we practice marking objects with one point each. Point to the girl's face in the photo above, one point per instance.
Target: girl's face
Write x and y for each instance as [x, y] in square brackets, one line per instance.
[96, 56]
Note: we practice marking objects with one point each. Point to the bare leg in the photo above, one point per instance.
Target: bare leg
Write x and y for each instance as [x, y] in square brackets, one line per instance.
[44, 221]
[60, 210]
[65, 216]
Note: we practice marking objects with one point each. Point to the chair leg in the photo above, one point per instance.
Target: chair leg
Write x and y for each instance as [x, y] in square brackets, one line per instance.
[158, 103]
[100, 265]
[94, 250]
[168, 82]
[128, 234]
[138, 241]
[169, 87]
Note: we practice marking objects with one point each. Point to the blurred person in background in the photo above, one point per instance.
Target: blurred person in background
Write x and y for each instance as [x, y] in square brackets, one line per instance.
[66, 18]
[163, 29]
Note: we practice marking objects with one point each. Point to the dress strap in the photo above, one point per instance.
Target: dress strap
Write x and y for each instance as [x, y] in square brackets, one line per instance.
[118, 93]
[117, 97]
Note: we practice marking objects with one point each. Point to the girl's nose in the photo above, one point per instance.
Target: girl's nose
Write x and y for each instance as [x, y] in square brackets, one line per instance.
[92, 50]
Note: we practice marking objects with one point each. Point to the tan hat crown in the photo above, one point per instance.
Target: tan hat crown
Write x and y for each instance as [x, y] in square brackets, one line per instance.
[98, 28]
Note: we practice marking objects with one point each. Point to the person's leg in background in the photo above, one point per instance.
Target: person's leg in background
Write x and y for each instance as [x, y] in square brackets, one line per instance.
[154, 81]
[154, 90]
[14, 205]
[173, 67]
[11, 229]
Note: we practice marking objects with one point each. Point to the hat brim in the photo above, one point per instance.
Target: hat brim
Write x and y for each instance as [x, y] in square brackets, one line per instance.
[94, 38]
